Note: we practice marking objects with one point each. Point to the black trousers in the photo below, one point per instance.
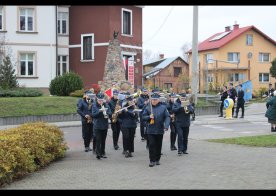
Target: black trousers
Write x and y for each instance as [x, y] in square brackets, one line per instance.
[193, 114]
[173, 134]
[240, 105]
[115, 132]
[142, 127]
[183, 133]
[155, 146]
[100, 141]
[233, 107]
[128, 139]
[87, 133]
[221, 108]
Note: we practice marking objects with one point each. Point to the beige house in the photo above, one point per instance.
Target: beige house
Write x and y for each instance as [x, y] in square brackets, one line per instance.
[236, 55]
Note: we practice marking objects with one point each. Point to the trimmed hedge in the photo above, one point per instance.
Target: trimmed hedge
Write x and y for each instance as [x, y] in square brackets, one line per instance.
[65, 84]
[27, 148]
[20, 92]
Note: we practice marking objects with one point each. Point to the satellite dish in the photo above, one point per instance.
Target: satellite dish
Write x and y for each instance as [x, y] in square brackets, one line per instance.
[249, 55]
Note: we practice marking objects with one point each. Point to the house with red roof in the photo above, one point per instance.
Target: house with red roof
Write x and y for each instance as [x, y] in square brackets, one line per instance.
[235, 55]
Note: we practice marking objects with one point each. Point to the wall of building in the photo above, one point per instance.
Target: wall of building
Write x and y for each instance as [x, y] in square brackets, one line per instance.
[42, 42]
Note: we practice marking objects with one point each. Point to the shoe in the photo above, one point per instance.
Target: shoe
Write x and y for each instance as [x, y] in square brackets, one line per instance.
[103, 156]
[193, 119]
[124, 152]
[157, 163]
[220, 116]
[86, 149]
[151, 164]
[116, 147]
[127, 154]
[273, 130]
[142, 139]
[241, 117]
[90, 149]
[98, 157]
[179, 153]
[235, 116]
[173, 148]
[130, 154]
[184, 152]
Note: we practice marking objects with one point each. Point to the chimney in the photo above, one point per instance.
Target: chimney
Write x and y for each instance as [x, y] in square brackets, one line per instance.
[227, 28]
[235, 26]
[161, 56]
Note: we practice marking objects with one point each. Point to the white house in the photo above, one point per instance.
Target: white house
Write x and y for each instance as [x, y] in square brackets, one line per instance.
[38, 39]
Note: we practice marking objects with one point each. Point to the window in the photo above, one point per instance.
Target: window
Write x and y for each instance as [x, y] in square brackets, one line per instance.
[27, 64]
[263, 57]
[210, 78]
[62, 67]
[235, 77]
[234, 56]
[62, 22]
[26, 19]
[87, 43]
[263, 77]
[249, 40]
[127, 22]
[177, 71]
[208, 58]
[1, 18]
[167, 85]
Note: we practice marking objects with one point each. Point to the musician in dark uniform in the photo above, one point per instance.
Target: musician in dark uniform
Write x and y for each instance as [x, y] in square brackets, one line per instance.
[143, 100]
[182, 122]
[173, 133]
[84, 109]
[232, 93]
[100, 113]
[128, 119]
[270, 91]
[115, 126]
[223, 96]
[240, 102]
[157, 118]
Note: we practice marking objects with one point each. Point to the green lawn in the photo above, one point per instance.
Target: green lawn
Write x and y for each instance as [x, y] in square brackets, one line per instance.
[260, 141]
[24, 106]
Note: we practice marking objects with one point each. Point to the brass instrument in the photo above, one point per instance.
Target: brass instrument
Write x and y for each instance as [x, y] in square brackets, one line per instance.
[185, 104]
[103, 109]
[114, 117]
[173, 117]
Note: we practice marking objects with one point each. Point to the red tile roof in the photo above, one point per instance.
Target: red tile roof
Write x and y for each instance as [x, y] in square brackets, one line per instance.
[210, 45]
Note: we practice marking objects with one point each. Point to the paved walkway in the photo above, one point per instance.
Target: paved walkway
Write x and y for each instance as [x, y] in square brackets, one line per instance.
[207, 166]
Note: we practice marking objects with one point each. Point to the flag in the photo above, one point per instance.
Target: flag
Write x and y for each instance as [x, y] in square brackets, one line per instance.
[109, 92]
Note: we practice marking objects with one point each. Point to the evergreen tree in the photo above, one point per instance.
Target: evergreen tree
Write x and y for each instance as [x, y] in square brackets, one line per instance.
[273, 68]
[7, 74]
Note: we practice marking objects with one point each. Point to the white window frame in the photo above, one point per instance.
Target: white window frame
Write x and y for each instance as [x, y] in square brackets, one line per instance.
[34, 64]
[261, 57]
[92, 47]
[2, 18]
[60, 64]
[208, 57]
[247, 39]
[236, 57]
[26, 19]
[63, 16]
[241, 77]
[122, 22]
[263, 77]
[210, 78]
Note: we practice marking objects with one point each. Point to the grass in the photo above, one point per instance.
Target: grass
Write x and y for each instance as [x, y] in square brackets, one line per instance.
[258, 100]
[25, 106]
[201, 102]
[260, 141]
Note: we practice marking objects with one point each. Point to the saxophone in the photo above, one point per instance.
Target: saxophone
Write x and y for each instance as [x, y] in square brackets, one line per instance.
[89, 119]
[115, 114]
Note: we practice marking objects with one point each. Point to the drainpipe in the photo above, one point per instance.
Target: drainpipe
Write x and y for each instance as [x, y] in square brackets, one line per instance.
[56, 41]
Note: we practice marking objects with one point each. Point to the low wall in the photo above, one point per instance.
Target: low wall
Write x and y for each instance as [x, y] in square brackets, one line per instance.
[209, 110]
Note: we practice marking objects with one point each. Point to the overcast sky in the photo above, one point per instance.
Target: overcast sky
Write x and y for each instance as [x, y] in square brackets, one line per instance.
[167, 28]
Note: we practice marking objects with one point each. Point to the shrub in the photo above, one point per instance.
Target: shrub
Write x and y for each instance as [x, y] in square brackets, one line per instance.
[28, 147]
[65, 84]
[7, 74]
[20, 92]
[77, 93]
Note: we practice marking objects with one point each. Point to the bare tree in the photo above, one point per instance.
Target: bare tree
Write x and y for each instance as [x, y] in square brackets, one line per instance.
[149, 55]
[185, 48]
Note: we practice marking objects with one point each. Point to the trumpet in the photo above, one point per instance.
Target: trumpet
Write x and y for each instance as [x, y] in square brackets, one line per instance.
[185, 104]
[103, 109]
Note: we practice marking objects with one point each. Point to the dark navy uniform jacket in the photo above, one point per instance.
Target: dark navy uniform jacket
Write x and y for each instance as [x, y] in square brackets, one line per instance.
[128, 119]
[240, 97]
[112, 104]
[161, 119]
[98, 118]
[181, 118]
[82, 109]
[140, 103]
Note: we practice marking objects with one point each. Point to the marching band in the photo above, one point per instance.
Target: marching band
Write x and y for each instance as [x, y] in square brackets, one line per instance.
[155, 111]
